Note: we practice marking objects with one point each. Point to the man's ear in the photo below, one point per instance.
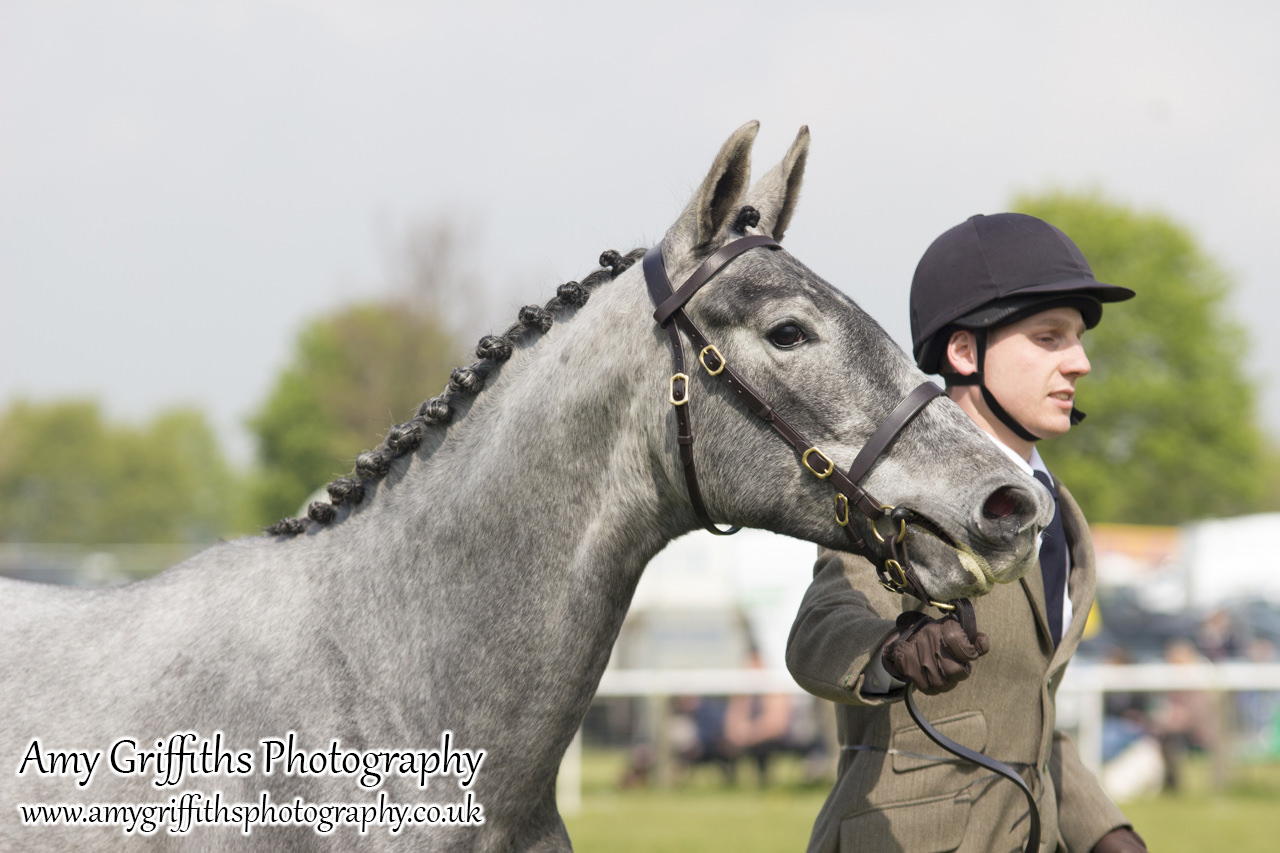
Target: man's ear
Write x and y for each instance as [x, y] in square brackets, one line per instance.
[962, 352]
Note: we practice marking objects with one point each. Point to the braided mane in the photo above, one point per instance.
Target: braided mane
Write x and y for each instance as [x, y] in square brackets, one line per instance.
[492, 351]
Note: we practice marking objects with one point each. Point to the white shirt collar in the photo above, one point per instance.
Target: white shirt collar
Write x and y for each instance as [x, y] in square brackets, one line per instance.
[1028, 468]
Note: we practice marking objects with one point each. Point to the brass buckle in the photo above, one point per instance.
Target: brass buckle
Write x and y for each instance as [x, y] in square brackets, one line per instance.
[901, 580]
[702, 358]
[943, 606]
[842, 510]
[902, 529]
[671, 397]
[821, 475]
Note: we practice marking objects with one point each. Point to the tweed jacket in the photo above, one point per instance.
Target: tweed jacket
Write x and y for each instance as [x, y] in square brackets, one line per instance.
[896, 790]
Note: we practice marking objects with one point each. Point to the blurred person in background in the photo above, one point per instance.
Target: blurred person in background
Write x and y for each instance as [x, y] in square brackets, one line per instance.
[1184, 721]
[762, 726]
[1219, 637]
[757, 725]
[1126, 716]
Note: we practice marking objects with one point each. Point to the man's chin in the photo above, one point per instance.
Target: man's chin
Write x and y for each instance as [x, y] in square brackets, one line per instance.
[1053, 427]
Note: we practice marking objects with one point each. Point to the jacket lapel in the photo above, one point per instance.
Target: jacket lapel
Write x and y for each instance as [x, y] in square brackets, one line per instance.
[1080, 581]
[1083, 578]
[1033, 584]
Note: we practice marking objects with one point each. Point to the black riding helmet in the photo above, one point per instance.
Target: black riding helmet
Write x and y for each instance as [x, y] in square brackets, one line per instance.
[990, 271]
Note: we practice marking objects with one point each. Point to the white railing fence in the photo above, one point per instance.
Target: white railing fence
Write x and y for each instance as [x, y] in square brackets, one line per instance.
[1085, 686]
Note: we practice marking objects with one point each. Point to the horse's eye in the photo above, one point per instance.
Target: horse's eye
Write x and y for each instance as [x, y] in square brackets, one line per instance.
[787, 335]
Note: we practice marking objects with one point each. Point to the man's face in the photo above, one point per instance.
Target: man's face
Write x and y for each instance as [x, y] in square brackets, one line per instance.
[1032, 366]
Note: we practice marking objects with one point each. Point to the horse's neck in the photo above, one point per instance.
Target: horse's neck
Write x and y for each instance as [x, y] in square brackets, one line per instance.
[529, 524]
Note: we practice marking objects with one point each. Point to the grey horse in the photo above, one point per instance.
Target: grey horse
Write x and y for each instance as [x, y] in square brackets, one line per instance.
[405, 667]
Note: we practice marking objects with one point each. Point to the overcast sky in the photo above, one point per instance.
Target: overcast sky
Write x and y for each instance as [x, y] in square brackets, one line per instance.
[183, 185]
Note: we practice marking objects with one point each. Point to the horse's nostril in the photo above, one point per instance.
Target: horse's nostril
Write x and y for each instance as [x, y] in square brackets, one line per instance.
[1002, 503]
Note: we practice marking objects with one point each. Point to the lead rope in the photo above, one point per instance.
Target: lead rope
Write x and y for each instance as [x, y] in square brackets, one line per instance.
[964, 611]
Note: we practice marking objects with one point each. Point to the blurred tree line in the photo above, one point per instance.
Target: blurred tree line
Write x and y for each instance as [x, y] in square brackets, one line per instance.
[67, 475]
[1173, 431]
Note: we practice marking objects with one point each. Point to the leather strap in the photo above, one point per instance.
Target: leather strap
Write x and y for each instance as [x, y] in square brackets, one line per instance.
[964, 612]
[888, 431]
[669, 303]
[998, 767]
[673, 303]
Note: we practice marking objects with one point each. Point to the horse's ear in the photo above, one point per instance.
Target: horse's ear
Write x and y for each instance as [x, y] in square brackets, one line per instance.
[774, 196]
[717, 201]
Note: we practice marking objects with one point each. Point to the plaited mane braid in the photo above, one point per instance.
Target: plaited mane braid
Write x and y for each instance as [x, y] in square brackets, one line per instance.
[493, 350]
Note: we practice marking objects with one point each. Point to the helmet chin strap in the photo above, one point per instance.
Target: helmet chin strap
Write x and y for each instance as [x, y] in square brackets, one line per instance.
[977, 378]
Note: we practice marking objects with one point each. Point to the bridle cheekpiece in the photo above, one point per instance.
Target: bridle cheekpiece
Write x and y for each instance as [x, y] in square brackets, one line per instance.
[890, 556]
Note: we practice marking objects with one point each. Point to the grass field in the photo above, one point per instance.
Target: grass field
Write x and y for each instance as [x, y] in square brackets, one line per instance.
[702, 814]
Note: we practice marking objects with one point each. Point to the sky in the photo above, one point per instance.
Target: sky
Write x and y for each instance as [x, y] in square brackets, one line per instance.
[184, 185]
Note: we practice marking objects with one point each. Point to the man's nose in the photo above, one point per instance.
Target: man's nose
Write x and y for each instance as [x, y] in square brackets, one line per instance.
[1077, 363]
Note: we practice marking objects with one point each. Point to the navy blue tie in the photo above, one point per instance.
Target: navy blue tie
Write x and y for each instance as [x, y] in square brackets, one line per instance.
[1053, 562]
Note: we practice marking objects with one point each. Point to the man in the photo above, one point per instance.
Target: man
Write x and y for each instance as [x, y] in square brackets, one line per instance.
[998, 307]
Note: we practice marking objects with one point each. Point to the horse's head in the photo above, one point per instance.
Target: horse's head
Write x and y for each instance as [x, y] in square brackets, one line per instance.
[833, 375]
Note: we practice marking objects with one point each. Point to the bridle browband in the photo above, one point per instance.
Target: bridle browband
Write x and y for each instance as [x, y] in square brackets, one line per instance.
[891, 560]
[893, 566]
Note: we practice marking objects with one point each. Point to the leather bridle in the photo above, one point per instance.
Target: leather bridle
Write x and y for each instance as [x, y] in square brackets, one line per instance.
[893, 565]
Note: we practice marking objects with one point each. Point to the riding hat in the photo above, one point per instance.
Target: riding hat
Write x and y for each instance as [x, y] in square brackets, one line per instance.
[990, 271]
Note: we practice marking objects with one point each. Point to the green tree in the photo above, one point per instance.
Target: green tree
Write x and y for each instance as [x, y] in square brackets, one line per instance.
[69, 476]
[357, 371]
[354, 373]
[1173, 432]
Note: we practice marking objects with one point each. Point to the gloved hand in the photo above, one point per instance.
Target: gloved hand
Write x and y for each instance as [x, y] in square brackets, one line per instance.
[1120, 840]
[933, 654]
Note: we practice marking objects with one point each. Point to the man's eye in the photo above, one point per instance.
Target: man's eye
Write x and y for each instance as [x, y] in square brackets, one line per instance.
[787, 335]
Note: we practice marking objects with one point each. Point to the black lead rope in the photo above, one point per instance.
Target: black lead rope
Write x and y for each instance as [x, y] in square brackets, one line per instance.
[965, 614]
[1033, 840]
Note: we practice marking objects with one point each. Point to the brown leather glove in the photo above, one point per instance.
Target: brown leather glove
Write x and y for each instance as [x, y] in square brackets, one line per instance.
[933, 654]
[1120, 840]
